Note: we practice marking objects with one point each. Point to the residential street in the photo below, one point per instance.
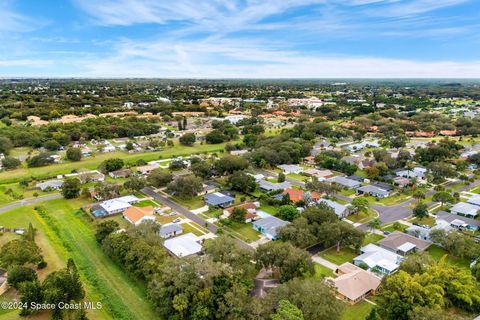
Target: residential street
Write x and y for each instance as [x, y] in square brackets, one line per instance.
[27, 202]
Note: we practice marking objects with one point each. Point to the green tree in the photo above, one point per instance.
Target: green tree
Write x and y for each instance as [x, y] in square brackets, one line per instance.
[185, 187]
[289, 262]
[74, 154]
[241, 181]
[159, 178]
[281, 177]
[71, 188]
[238, 214]
[287, 311]
[5, 145]
[105, 228]
[420, 210]
[419, 195]
[360, 204]
[19, 274]
[314, 298]
[341, 234]
[443, 197]
[374, 224]
[188, 139]
[287, 212]
[134, 183]
[30, 293]
[19, 253]
[110, 165]
[10, 163]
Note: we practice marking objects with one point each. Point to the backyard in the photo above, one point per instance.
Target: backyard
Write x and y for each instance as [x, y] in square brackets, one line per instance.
[338, 258]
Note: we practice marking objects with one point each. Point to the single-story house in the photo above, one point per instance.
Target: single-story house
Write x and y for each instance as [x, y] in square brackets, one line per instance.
[377, 259]
[402, 181]
[345, 182]
[341, 210]
[403, 244]
[258, 177]
[290, 168]
[184, 245]
[319, 174]
[218, 199]
[113, 206]
[373, 191]
[309, 160]
[353, 284]
[147, 168]
[251, 208]
[122, 173]
[367, 163]
[353, 159]
[296, 195]
[137, 215]
[170, 230]
[269, 226]
[475, 200]
[417, 172]
[458, 222]
[465, 209]
[423, 232]
[271, 186]
[92, 176]
[52, 184]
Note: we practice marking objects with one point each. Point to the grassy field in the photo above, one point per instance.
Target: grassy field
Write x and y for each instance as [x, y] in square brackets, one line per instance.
[66, 233]
[322, 272]
[391, 228]
[437, 252]
[429, 221]
[93, 162]
[362, 217]
[12, 192]
[243, 231]
[344, 255]
[372, 238]
[358, 311]
[190, 204]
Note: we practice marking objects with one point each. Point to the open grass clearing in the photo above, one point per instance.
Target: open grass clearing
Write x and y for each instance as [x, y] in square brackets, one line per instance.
[357, 311]
[322, 272]
[429, 221]
[437, 253]
[395, 227]
[93, 162]
[190, 204]
[372, 238]
[72, 233]
[244, 231]
[362, 217]
[340, 257]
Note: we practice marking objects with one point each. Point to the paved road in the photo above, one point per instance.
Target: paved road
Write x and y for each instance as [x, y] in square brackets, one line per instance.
[178, 208]
[187, 213]
[27, 202]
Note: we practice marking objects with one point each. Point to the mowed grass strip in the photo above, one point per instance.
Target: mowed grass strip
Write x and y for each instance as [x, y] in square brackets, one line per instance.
[93, 162]
[121, 296]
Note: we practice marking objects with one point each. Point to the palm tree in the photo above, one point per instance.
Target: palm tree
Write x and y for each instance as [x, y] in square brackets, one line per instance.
[374, 224]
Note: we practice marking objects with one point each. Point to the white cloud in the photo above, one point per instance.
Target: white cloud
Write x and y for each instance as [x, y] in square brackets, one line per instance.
[231, 59]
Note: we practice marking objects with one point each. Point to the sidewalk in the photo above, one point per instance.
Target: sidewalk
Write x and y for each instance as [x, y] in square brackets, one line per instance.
[324, 263]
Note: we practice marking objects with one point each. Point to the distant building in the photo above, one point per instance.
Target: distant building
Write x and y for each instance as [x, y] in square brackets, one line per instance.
[218, 199]
[52, 184]
[345, 182]
[170, 230]
[340, 210]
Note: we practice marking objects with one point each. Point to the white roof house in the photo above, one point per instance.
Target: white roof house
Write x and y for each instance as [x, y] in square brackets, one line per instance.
[290, 168]
[340, 210]
[475, 200]
[465, 209]
[184, 245]
[52, 184]
[417, 172]
[118, 205]
[345, 182]
[378, 259]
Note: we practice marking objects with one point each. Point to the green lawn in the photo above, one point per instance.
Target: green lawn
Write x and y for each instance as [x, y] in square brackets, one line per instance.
[437, 252]
[11, 192]
[243, 231]
[347, 192]
[322, 271]
[429, 221]
[362, 217]
[93, 162]
[344, 255]
[358, 311]
[268, 209]
[187, 227]
[297, 176]
[65, 232]
[146, 203]
[391, 228]
[372, 238]
[191, 204]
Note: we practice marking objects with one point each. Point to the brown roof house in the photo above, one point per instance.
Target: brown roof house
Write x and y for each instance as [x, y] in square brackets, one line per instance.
[403, 244]
[137, 215]
[353, 283]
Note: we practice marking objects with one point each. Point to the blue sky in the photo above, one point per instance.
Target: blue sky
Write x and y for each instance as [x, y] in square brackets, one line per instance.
[240, 38]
